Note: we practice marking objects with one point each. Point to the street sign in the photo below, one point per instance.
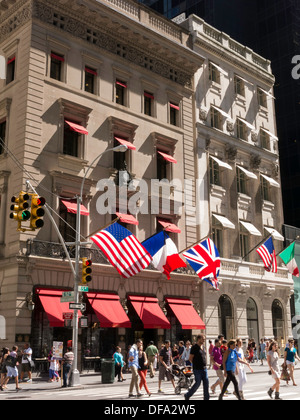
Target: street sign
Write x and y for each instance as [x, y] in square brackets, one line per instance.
[79, 306]
[83, 289]
[67, 315]
[83, 322]
[67, 297]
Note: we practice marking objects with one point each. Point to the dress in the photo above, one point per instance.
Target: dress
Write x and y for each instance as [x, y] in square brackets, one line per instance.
[274, 362]
[242, 373]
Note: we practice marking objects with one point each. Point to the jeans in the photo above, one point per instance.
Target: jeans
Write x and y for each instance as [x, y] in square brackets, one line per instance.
[200, 375]
[66, 371]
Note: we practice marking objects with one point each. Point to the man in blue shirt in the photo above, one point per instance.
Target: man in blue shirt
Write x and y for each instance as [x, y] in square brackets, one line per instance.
[133, 364]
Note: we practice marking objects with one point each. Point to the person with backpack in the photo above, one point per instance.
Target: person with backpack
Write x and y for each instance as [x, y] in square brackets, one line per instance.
[11, 363]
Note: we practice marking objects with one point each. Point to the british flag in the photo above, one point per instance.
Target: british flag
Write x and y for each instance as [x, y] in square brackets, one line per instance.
[204, 258]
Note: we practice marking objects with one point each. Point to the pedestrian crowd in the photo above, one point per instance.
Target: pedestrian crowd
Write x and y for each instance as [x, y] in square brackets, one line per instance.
[229, 359]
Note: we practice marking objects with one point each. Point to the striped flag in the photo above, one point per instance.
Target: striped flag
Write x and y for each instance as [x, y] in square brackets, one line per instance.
[268, 255]
[122, 249]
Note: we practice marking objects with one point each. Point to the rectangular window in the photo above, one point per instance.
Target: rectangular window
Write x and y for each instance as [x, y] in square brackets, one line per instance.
[265, 140]
[67, 226]
[2, 135]
[10, 70]
[217, 234]
[121, 88]
[265, 189]
[56, 66]
[216, 118]
[241, 130]
[214, 74]
[148, 103]
[239, 86]
[174, 114]
[214, 172]
[244, 245]
[71, 141]
[90, 76]
[241, 181]
[262, 98]
[120, 158]
[162, 167]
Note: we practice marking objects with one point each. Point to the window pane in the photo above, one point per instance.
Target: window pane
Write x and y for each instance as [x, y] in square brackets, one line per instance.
[71, 139]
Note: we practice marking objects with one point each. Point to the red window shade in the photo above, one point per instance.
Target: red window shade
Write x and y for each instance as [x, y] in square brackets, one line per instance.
[123, 84]
[174, 106]
[72, 207]
[109, 310]
[11, 60]
[57, 57]
[149, 312]
[186, 314]
[148, 95]
[76, 127]
[168, 157]
[91, 71]
[168, 226]
[126, 143]
[127, 218]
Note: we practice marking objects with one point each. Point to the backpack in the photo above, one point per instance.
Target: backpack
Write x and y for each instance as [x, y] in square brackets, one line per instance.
[11, 361]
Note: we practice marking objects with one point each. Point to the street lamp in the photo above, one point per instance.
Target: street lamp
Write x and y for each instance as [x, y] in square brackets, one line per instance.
[75, 379]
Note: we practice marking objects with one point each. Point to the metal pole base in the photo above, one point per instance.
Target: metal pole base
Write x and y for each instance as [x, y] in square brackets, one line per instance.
[75, 378]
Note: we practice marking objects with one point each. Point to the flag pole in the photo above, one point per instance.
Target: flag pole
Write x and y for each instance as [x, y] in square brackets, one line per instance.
[253, 249]
[190, 246]
[104, 227]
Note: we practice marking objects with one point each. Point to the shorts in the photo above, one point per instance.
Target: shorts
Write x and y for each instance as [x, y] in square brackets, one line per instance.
[164, 372]
[290, 363]
[220, 375]
[12, 372]
[25, 367]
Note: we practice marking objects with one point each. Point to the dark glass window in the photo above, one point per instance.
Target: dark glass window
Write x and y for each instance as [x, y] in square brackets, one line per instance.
[10, 70]
[89, 79]
[2, 135]
[56, 65]
[71, 141]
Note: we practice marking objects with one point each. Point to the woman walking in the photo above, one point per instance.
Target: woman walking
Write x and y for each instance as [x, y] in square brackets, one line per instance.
[273, 362]
[119, 364]
[230, 360]
[242, 376]
[143, 365]
[290, 354]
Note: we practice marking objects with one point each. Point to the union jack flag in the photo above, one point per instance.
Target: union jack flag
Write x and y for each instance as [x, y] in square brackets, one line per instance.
[268, 255]
[122, 249]
[204, 258]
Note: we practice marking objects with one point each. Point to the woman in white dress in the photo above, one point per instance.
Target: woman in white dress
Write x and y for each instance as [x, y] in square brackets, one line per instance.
[273, 362]
[242, 376]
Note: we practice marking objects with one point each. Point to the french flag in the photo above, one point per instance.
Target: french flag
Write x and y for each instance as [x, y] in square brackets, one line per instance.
[165, 257]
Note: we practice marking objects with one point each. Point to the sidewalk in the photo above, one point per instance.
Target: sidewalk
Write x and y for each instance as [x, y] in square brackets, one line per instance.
[94, 380]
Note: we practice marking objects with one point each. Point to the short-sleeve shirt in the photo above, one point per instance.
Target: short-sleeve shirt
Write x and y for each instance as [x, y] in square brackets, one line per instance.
[290, 354]
[166, 354]
[199, 360]
[217, 356]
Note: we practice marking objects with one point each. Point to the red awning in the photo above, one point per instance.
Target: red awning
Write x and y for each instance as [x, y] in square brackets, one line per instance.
[168, 226]
[126, 143]
[174, 106]
[149, 312]
[167, 157]
[54, 308]
[76, 127]
[72, 207]
[109, 310]
[186, 314]
[127, 218]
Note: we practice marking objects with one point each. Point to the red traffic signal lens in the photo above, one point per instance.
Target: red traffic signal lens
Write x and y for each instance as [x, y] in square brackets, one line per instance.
[40, 201]
[87, 263]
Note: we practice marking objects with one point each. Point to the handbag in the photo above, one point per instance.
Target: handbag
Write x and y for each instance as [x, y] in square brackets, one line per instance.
[285, 374]
[32, 365]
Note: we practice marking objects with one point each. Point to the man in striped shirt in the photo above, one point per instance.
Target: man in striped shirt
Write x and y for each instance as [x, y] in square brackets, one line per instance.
[67, 365]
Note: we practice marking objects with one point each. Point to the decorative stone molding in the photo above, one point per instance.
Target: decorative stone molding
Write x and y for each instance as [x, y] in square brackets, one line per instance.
[254, 136]
[255, 161]
[230, 127]
[231, 152]
[203, 114]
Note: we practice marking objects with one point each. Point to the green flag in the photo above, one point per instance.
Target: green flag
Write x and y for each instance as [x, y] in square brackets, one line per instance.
[288, 257]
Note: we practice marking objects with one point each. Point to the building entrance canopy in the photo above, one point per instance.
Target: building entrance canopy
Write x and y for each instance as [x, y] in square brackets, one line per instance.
[186, 314]
[149, 312]
[109, 310]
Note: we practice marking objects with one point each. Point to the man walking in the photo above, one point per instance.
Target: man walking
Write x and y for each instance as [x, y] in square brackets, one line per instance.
[67, 363]
[26, 362]
[198, 360]
[151, 352]
[166, 361]
[133, 363]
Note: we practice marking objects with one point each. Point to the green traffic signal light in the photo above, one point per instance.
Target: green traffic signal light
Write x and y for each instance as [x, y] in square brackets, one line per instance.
[19, 208]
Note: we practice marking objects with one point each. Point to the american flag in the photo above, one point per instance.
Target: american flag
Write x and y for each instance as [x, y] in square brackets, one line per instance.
[122, 249]
[268, 255]
[204, 258]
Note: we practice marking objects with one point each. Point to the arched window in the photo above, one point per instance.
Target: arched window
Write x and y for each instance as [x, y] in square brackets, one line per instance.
[278, 320]
[226, 320]
[252, 320]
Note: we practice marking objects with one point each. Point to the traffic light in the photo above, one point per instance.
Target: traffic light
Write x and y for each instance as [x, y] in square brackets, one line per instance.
[86, 271]
[19, 208]
[37, 212]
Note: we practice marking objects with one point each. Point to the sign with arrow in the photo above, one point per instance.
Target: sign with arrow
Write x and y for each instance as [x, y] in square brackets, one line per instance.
[79, 306]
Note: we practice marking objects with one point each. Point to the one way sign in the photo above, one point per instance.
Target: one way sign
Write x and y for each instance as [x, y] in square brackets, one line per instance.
[79, 306]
